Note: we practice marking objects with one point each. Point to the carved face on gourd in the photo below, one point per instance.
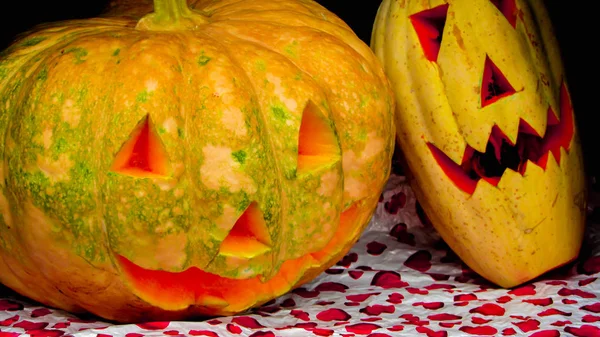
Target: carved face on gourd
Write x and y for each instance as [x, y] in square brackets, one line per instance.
[195, 164]
[486, 126]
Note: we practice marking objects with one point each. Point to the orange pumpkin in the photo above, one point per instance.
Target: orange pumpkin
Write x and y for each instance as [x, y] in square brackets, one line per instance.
[193, 162]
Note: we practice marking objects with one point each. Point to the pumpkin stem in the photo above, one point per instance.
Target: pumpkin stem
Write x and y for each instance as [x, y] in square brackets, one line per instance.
[172, 15]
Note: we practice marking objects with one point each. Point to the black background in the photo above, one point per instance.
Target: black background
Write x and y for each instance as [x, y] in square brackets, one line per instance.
[572, 25]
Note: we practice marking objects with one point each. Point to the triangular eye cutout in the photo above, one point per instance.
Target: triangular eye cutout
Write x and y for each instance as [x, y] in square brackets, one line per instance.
[143, 154]
[249, 237]
[508, 9]
[317, 141]
[494, 84]
[429, 26]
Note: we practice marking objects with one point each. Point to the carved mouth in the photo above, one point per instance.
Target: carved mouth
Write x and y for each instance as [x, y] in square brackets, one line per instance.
[247, 239]
[501, 154]
[210, 293]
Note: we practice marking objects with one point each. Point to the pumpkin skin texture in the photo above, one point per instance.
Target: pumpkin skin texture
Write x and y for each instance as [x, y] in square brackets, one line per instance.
[486, 128]
[168, 167]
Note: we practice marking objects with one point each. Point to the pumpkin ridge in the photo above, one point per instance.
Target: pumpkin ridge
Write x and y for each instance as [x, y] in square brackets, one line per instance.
[262, 133]
[313, 9]
[300, 29]
[287, 13]
[136, 50]
[266, 47]
[99, 183]
[187, 161]
[268, 139]
[102, 181]
[217, 6]
[334, 114]
[261, 113]
[555, 74]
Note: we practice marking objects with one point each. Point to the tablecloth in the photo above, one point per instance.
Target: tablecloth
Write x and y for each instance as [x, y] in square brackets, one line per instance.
[400, 279]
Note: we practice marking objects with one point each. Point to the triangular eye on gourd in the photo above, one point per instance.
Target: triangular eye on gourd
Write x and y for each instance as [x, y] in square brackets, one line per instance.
[429, 26]
[143, 154]
[508, 8]
[494, 84]
[317, 142]
[249, 237]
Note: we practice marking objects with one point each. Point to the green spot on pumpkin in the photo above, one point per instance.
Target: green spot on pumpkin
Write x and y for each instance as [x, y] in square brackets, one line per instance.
[32, 41]
[80, 96]
[292, 49]
[142, 97]
[42, 75]
[78, 229]
[268, 209]
[37, 182]
[3, 243]
[239, 156]
[375, 95]
[224, 190]
[279, 112]
[290, 174]
[203, 59]
[60, 146]
[244, 202]
[261, 65]
[180, 133]
[177, 68]
[363, 101]
[362, 135]
[79, 54]
[82, 173]
[55, 228]
[116, 52]
[298, 76]
[90, 252]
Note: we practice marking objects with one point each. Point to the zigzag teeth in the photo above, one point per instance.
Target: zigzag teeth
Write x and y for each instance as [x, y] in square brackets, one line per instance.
[502, 154]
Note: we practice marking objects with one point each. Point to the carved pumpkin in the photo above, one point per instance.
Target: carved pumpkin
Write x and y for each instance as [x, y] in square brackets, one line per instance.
[194, 162]
[486, 126]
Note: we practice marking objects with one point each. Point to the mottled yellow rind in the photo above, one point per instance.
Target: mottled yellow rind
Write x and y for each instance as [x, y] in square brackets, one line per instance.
[528, 224]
